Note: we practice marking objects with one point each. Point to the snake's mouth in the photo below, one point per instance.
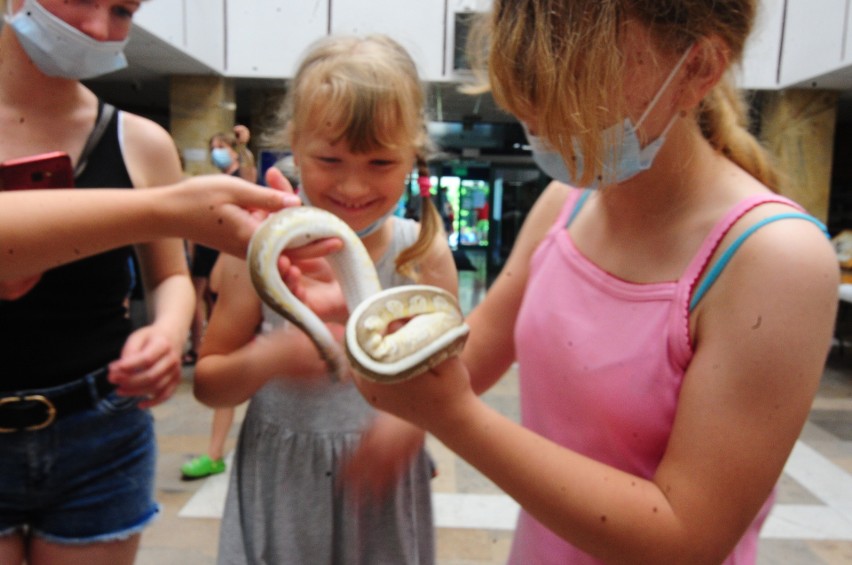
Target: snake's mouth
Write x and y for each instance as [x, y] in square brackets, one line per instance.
[411, 337]
[396, 325]
[403, 332]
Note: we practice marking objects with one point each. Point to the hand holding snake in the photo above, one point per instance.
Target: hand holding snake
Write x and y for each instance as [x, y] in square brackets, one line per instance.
[435, 329]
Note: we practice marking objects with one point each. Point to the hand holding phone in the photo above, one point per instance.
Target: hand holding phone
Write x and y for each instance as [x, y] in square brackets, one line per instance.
[46, 170]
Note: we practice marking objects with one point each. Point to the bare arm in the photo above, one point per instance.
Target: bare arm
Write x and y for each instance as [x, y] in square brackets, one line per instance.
[152, 160]
[234, 362]
[490, 348]
[41, 229]
[149, 364]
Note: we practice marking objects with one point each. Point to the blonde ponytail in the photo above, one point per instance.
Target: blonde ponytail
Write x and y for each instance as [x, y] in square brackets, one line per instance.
[723, 120]
[431, 227]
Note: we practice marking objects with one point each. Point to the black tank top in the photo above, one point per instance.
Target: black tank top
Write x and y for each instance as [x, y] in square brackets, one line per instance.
[75, 320]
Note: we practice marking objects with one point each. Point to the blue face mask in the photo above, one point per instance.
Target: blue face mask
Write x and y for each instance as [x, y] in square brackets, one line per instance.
[221, 157]
[620, 163]
[61, 50]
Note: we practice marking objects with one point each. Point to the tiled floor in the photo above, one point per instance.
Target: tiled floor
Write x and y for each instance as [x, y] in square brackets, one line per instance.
[811, 525]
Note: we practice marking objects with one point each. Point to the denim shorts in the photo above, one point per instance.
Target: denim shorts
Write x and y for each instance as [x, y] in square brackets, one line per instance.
[88, 477]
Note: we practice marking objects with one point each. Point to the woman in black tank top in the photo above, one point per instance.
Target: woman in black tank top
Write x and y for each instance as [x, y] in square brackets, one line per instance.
[77, 378]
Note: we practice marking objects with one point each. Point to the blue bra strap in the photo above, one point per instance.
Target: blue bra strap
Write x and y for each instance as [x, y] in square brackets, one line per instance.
[717, 268]
[577, 206]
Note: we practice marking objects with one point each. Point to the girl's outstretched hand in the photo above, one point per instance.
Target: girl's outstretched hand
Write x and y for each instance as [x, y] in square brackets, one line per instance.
[311, 280]
[220, 211]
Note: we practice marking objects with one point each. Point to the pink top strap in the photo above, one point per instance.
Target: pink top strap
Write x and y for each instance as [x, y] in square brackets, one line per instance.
[680, 338]
[711, 243]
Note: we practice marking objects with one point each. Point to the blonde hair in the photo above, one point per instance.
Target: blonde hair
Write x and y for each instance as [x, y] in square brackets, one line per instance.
[366, 91]
[557, 61]
[431, 227]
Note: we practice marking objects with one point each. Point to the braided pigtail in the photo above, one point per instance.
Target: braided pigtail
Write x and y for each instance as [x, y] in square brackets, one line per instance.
[431, 225]
[723, 121]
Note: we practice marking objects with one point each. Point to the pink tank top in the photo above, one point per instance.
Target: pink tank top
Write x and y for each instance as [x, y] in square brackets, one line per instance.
[601, 365]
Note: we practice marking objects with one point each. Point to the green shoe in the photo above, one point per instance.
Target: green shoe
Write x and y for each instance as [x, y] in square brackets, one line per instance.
[202, 466]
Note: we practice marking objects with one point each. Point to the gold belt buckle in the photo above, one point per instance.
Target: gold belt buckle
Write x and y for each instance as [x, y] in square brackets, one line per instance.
[51, 411]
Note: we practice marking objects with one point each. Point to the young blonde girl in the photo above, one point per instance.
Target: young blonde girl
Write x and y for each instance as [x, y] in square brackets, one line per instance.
[671, 328]
[319, 476]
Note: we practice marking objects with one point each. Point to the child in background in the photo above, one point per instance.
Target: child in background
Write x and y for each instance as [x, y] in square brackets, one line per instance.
[671, 328]
[230, 154]
[319, 476]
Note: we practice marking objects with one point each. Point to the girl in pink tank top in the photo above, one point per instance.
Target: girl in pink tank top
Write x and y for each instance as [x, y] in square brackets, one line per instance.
[671, 327]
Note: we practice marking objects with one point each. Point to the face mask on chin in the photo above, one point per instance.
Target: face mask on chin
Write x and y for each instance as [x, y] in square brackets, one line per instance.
[61, 50]
[620, 163]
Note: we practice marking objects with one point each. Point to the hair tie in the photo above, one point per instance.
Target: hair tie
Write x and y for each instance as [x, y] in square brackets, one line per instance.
[425, 186]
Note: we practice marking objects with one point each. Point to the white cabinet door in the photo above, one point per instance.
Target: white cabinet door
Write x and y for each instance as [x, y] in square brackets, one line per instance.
[416, 25]
[266, 38]
[762, 55]
[459, 13]
[813, 40]
[167, 29]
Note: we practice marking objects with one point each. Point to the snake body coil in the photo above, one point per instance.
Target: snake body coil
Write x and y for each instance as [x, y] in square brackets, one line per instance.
[435, 328]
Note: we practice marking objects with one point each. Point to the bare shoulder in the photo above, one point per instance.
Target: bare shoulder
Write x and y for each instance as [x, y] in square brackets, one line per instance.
[785, 244]
[784, 267]
[149, 152]
[542, 216]
[778, 241]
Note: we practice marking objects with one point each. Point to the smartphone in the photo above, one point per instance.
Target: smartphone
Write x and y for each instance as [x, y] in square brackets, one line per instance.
[47, 170]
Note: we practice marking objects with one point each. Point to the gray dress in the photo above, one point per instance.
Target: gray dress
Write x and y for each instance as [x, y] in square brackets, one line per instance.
[285, 502]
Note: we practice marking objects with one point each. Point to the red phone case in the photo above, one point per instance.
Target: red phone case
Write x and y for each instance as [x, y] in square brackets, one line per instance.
[47, 170]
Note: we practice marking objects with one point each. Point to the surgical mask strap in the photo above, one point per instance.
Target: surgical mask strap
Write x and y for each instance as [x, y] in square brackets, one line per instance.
[662, 90]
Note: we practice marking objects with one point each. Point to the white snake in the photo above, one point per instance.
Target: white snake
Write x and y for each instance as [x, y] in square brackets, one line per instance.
[436, 329]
